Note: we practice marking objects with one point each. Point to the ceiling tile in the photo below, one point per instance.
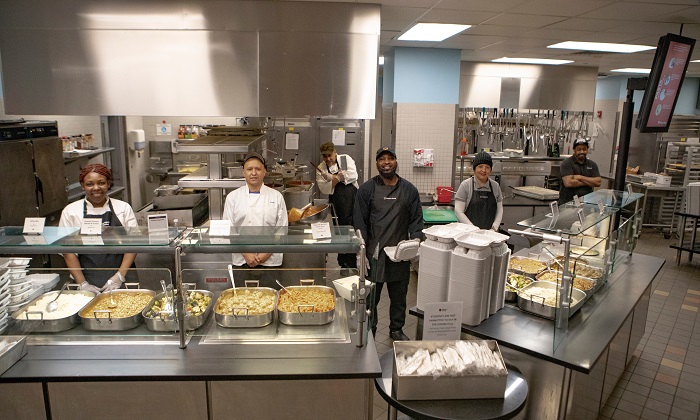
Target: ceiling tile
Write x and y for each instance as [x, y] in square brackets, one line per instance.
[480, 5]
[528, 21]
[456, 16]
[402, 13]
[556, 35]
[485, 29]
[580, 24]
[559, 7]
[396, 25]
[633, 10]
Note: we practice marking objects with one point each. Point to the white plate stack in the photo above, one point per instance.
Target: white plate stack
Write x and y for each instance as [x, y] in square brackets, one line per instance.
[470, 277]
[435, 256]
[19, 288]
[4, 297]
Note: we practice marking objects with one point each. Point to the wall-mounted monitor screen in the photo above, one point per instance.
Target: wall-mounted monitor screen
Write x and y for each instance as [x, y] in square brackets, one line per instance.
[665, 81]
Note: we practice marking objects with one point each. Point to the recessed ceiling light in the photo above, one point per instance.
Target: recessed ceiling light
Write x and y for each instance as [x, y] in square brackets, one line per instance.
[601, 46]
[432, 31]
[547, 61]
[381, 60]
[632, 70]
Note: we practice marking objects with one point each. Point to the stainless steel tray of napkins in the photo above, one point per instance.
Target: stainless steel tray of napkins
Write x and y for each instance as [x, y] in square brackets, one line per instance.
[445, 386]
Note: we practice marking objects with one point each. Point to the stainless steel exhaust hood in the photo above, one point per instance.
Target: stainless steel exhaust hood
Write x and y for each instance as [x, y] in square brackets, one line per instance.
[189, 58]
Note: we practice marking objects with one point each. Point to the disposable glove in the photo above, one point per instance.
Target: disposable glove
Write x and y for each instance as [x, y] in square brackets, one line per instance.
[341, 176]
[114, 283]
[89, 287]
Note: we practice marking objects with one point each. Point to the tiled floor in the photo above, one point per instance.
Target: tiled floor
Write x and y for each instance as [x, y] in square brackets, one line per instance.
[663, 380]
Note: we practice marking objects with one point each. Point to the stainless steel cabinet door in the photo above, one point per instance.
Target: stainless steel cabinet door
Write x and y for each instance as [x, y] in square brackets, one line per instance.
[50, 172]
[17, 186]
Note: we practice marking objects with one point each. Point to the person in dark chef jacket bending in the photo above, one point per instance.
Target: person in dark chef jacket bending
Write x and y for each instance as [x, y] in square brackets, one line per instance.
[388, 211]
[479, 200]
[255, 204]
[337, 177]
[578, 173]
[95, 180]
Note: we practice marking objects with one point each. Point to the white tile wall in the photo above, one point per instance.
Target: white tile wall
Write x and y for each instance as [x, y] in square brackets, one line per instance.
[426, 126]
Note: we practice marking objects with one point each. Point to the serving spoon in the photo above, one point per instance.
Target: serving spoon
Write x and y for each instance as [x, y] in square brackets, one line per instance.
[53, 305]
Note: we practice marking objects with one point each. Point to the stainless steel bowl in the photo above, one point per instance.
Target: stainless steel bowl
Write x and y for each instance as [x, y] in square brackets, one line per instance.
[319, 216]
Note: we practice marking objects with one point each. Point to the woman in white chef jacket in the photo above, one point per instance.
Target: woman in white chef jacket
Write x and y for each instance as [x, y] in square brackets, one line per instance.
[255, 204]
[95, 180]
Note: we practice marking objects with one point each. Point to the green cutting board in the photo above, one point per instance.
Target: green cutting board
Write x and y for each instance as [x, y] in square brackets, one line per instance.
[439, 216]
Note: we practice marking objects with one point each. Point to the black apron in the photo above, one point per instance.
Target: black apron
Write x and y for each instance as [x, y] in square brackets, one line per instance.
[343, 201]
[87, 261]
[482, 207]
[388, 222]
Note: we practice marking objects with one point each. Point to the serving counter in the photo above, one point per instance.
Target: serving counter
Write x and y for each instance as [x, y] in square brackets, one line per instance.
[312, 373]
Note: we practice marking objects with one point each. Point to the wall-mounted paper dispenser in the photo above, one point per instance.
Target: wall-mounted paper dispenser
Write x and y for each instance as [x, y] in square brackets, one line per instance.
[136, 140]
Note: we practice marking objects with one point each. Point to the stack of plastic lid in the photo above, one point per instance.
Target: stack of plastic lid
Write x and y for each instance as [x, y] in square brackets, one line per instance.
[4, 296]
[19, 287]
[435, 256]
[470, 276]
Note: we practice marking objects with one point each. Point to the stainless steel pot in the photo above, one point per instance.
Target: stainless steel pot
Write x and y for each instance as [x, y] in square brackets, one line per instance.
[242, 317]
[168, 321]
[90, 314]
[22, 315]
[297, 197]
[535, 304]
[300, 316]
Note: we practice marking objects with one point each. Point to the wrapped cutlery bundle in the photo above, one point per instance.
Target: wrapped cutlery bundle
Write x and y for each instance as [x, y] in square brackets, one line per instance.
[445, 370]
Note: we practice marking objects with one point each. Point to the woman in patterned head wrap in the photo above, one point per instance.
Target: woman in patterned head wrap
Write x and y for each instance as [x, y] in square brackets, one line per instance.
[96, 179]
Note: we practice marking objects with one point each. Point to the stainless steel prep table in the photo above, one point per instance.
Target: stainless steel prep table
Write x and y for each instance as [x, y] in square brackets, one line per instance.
[591, 356]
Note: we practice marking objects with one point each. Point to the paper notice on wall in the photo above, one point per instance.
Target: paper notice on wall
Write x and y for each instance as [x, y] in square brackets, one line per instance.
[423, 158]
[291, 141]
[339, 137]
[163, 130]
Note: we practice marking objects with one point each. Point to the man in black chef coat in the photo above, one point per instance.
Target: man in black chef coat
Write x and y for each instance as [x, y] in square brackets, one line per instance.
[579, 175]
[388, 211]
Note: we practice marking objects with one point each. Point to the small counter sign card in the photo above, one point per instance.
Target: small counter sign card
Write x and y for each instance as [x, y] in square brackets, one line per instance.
[34, 225]
[442, 321]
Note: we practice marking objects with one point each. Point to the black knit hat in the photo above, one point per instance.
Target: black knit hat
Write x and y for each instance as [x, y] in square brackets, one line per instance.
[482, 157]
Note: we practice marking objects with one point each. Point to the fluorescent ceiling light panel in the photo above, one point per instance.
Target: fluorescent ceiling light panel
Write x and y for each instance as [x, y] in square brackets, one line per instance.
[632, 70]
[432, 32]
[601, 46]
[546, 61]
[381, 60]
[695, 61]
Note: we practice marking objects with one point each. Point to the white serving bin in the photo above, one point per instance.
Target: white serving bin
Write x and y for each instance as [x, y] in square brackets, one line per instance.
[417, 387]
[344, 286]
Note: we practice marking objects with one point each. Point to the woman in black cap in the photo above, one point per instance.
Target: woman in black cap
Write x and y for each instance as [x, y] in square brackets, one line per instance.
[479, 200]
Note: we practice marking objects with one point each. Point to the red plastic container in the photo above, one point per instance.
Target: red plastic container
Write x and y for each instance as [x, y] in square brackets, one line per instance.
[444, 194]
